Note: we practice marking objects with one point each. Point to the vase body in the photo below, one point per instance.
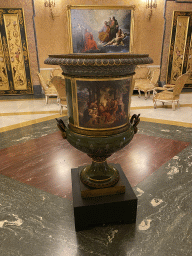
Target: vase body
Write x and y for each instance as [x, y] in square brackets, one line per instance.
[99, 89]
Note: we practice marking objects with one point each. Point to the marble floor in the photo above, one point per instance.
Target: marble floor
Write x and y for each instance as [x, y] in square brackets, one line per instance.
[36, 206]
[20, 113]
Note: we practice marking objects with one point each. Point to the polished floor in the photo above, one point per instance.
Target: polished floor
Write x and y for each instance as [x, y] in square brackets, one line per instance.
[36, 207]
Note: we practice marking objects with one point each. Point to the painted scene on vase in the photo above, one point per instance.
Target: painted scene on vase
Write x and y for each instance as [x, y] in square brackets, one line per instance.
[101, 30]
[103, 104]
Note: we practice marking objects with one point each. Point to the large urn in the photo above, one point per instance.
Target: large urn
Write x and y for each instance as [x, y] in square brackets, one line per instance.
[99, 89]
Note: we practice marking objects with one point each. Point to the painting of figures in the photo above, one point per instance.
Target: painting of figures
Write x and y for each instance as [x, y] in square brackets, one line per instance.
[103, 104]
[97, 30]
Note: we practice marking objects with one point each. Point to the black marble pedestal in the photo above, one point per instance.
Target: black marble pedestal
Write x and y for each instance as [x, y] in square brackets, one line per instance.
[104, 209]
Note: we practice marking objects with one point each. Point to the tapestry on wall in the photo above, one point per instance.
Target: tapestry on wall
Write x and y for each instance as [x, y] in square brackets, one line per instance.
[15, 77]
[180, 55]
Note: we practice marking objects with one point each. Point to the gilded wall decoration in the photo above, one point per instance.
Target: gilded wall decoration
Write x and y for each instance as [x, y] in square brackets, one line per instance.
[4, 83]
[180, 47]
[15, 51]
[189, 61]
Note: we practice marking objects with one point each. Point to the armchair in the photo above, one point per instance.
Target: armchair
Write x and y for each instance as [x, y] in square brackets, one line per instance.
[166, 95]
[148, 83]
[59, 84]
[48, 90]
[56, 72]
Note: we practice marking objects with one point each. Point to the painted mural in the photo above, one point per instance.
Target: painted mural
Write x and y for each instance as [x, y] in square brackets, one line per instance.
[103, 104]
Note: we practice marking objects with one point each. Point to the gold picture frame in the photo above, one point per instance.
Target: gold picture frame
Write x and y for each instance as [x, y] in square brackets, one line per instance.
[100, 29]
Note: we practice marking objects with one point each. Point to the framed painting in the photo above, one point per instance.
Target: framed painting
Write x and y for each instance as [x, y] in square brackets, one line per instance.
[100, 29]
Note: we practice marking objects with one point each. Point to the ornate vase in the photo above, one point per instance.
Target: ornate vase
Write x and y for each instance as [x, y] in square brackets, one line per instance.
[99, 89]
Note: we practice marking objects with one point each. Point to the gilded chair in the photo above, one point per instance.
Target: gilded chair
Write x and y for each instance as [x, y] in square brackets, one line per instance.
[56, 72]
[168, 96]
[59, 84]
[148, 85]
[48, 90]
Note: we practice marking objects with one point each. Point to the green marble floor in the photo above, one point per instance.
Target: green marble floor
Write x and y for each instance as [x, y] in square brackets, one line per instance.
[37, 223]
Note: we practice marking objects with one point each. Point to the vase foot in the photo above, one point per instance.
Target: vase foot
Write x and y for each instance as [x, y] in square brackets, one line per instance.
[99, 175]
[103, 209]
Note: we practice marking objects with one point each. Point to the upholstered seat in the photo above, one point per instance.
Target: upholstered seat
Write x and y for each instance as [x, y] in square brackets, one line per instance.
[142, 74]
[145, 80]
[148, 86]
[170, 96]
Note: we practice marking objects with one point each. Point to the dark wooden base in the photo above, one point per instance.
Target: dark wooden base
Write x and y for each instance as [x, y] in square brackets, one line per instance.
[105, 209]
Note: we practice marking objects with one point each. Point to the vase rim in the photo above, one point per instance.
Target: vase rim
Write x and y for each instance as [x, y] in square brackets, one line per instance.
[98, 56]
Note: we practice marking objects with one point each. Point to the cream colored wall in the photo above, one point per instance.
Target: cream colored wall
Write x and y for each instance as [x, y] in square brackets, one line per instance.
[170, 8]
[53, 37]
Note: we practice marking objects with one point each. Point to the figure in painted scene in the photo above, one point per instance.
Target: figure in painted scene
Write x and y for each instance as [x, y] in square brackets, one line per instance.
[118, 40]
[104, 33]
[109, 30]
[80, 37]
[100, 114]
[114, 27]
[103, 107]
[89, 43]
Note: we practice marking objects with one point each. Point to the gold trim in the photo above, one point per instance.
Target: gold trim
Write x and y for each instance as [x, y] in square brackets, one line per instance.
[101, 132]
[176, 42]
[132, 31]
[20, 99]
[189, 62]
[173, 15]
[27, 123]
[99, 181]
[69, 29]
[1, 16]
[4, 80]
[100, 129]
[102, 79]
[100, 7]
[97, 7]
[28, 113]
[130, 95]
[165, 106]
[29, 83]
[161, 121]
[94, 78]
[75, 102]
